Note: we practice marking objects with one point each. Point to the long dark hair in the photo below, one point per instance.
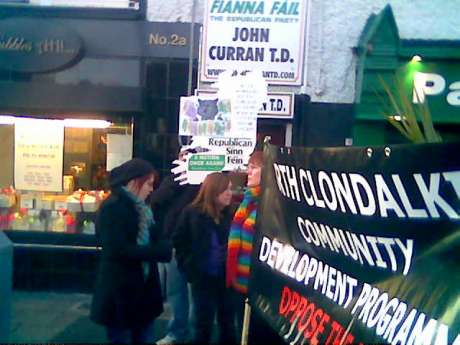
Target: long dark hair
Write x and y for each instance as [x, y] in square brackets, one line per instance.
[139, 181]
[206, 200]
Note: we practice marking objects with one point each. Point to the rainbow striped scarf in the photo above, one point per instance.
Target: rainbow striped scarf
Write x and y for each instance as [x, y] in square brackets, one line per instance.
[240, 241]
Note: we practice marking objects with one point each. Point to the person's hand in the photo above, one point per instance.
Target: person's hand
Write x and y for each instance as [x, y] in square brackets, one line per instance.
[180, 171]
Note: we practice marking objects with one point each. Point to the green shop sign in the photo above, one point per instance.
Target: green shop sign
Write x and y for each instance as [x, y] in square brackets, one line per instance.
[435, 83]
[427, 67]
[206, 163]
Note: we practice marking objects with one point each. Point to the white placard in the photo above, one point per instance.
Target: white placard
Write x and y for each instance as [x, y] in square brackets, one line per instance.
[266, 36]
[38, 155]
[213, 154]
[279, 105]
[119, 149]
[229, 149]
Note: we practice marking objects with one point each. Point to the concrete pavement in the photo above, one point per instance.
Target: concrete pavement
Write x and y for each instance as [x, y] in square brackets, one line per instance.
[48, 317]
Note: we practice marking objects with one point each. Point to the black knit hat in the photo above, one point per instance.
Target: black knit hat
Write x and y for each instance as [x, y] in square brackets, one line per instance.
[129, 170]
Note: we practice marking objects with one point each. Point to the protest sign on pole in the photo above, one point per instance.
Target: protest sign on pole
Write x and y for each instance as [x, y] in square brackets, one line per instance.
[359, 246]
[266, 36]
[223, 126]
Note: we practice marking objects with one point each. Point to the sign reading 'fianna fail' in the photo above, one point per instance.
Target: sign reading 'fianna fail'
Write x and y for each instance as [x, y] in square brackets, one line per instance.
[360, 246]
[267, 36]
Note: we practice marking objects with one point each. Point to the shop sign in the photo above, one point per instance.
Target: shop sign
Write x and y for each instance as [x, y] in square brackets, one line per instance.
[170, 39]
[435, 84]
[24, 47]
[432, 84]
[157, 39]
[267, 36]
[279, 105]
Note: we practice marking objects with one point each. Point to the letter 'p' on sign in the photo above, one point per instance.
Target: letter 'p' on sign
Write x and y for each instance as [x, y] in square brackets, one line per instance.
[427, 84]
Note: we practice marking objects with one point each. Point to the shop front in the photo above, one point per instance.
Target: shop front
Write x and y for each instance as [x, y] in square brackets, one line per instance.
[414, 72]
[78, 97]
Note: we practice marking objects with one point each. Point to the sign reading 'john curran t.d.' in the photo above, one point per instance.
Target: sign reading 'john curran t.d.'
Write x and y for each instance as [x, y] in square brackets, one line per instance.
[359, 246]
[265, 36]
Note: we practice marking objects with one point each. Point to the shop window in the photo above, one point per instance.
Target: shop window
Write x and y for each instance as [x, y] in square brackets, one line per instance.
[156, 137]
[76, 160]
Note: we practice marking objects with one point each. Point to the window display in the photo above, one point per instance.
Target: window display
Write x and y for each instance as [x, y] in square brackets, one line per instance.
[89, 148]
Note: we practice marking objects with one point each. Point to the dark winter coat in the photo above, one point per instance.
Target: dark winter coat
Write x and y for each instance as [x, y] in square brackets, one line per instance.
[123, 297]
[192, 240]
[169, 200]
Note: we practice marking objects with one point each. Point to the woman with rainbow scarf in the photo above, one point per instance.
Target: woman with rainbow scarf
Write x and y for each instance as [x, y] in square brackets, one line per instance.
[242, 230]
[239, 251]
[240, 240]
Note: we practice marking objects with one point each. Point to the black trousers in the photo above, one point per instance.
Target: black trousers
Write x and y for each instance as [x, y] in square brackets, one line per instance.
[210, 299]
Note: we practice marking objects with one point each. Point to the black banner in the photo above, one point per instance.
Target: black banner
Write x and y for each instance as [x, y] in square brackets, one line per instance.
[360, 245]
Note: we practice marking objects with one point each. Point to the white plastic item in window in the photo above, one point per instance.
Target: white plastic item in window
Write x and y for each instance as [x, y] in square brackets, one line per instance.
[35, 222]
[20, 221]
[89, 227]
[58, 222]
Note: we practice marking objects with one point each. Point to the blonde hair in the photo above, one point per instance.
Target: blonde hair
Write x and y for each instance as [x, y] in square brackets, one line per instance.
[206, 200]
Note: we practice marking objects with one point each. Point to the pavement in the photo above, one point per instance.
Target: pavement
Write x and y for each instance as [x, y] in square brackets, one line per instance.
[60, 318]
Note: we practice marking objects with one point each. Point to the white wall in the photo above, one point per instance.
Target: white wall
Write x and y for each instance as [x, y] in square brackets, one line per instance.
[174, 10]
[335, 26]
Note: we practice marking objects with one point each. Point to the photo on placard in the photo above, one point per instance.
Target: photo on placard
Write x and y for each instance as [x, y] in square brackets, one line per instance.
[205, 116]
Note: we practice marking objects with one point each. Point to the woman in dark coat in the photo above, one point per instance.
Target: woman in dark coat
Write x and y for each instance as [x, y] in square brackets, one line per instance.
[200, 240]
[127, 295]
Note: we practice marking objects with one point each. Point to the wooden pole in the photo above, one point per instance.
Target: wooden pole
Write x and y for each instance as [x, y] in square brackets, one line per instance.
[246, 322]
